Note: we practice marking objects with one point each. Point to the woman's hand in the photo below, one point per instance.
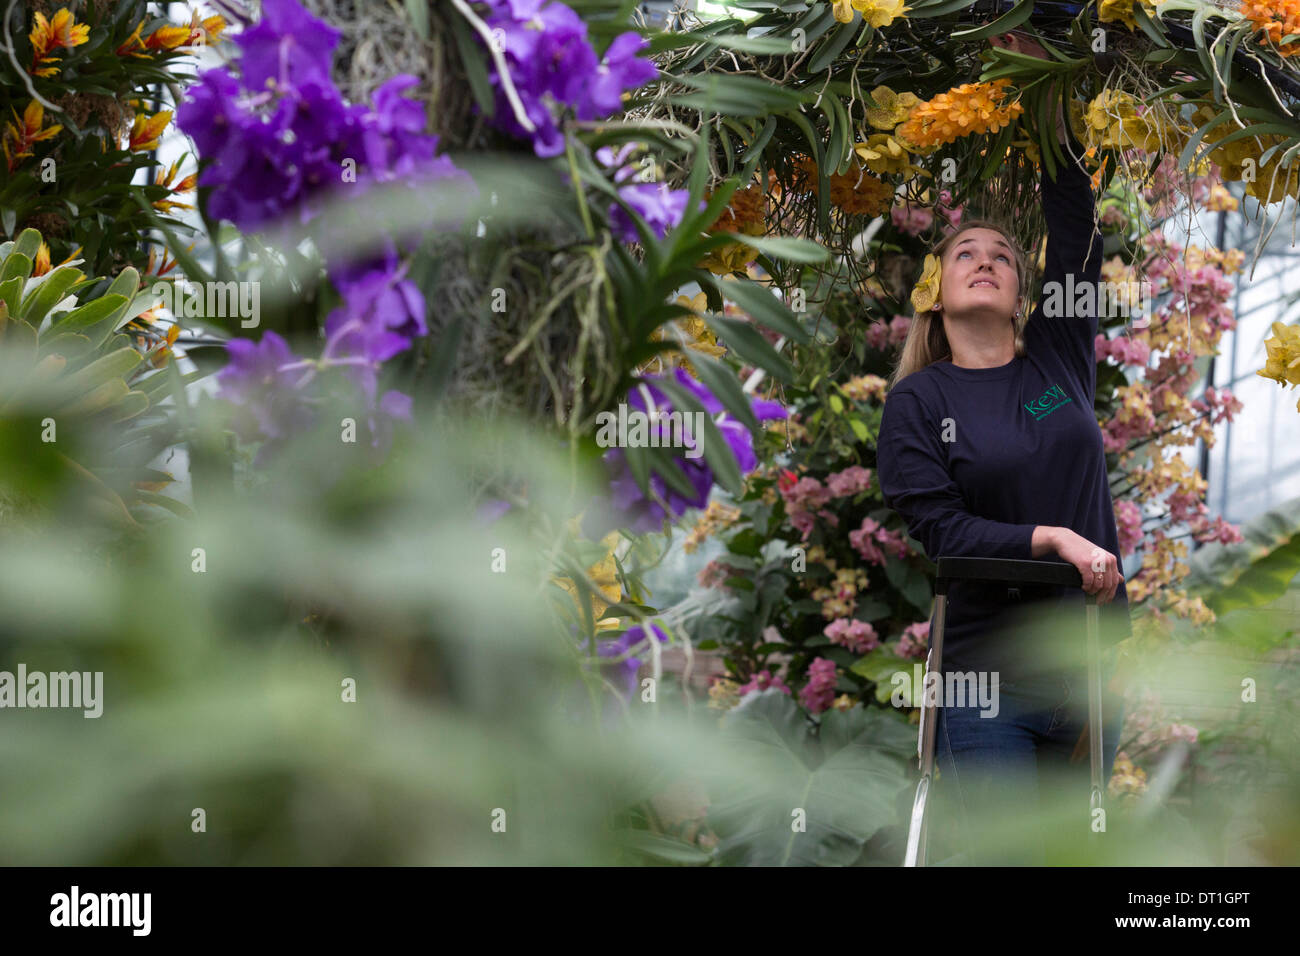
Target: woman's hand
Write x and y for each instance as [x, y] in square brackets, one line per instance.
[1100, 568]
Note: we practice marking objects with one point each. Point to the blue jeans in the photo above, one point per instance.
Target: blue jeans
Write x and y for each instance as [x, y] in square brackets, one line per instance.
[1007, 787]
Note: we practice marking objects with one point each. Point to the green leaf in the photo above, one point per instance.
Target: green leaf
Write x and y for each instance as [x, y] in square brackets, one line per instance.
[471, 57]
[723, 383]
[831, 47]
[177, 508]
[788, 248]
[721, 459]
[761, 305]
[748, 343]
[846, 783]
[1003, 24]
[747, 542]
[53, 288]
[27, 244]
[911, 583]
[418, 11]
[16, 266]
[91, 314]
[10, 290]
[106, 369]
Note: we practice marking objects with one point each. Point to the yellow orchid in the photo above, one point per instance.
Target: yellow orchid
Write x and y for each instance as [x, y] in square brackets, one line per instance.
[885, 155]
[891, 108]
[1283, 348]
[690, 331]
[1121, 11]
[879, 13]
[605, 575]
[926, 292]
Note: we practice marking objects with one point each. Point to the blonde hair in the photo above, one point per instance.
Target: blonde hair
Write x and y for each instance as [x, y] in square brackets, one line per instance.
[927, 341]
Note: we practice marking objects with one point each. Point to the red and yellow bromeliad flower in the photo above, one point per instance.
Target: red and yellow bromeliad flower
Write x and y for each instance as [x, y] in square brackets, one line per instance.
[165, 180]
[146, 130]
[199, 32]
[25, 132]
[61, 32]
[966, 109]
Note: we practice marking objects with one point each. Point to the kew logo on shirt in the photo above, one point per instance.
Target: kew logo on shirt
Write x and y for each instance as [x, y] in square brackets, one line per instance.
[1048, 402]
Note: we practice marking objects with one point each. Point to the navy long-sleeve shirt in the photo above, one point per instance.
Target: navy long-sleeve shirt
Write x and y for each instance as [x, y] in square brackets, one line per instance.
[1025, 449]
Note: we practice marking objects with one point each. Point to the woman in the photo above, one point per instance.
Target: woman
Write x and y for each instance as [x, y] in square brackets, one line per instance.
[989, 447]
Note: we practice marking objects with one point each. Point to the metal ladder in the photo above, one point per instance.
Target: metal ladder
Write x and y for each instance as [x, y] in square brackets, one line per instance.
[1056, 573]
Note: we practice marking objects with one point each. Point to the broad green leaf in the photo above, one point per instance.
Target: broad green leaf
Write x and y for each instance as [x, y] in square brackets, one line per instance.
[846, 784]
[53, 288]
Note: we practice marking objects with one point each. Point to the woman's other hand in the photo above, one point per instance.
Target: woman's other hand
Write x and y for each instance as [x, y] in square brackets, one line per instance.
[1100, 569]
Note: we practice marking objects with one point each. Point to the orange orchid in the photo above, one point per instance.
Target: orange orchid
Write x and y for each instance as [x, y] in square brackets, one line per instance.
[25, 132]
[146, 130]
[62, 31]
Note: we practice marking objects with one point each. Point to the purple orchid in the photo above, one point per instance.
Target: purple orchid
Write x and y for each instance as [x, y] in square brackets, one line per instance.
[552, 65]
[640, 512]
[625, 671]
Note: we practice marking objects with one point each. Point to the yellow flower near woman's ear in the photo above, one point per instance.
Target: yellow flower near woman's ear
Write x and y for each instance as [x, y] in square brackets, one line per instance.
[926, 292]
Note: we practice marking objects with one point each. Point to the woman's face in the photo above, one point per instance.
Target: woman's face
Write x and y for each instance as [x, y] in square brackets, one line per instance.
[979, 274]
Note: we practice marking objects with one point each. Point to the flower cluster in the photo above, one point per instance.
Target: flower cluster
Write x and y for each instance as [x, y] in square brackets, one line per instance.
[1128, 520]
[552, 64]
[819, 693]
[715, 575]
[871, 388]
[883, 336]
[1121, 11]
[1283, 362]
[761, 682]
[274, 137]
[660, 207]
[278, 137]
[1277, 19]
[1123, 350]
[745, 214]
[963, 110]
[858, 636]
[18, 137]
[879, 13]
[1127, 781]
[915, 639]
[62, 32]
[715, 518]
[840, 598]
[604, 573]
[640, 512]
[872, 537]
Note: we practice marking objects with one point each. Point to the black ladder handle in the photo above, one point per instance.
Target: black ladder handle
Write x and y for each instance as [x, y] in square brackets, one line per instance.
[1009, 570]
